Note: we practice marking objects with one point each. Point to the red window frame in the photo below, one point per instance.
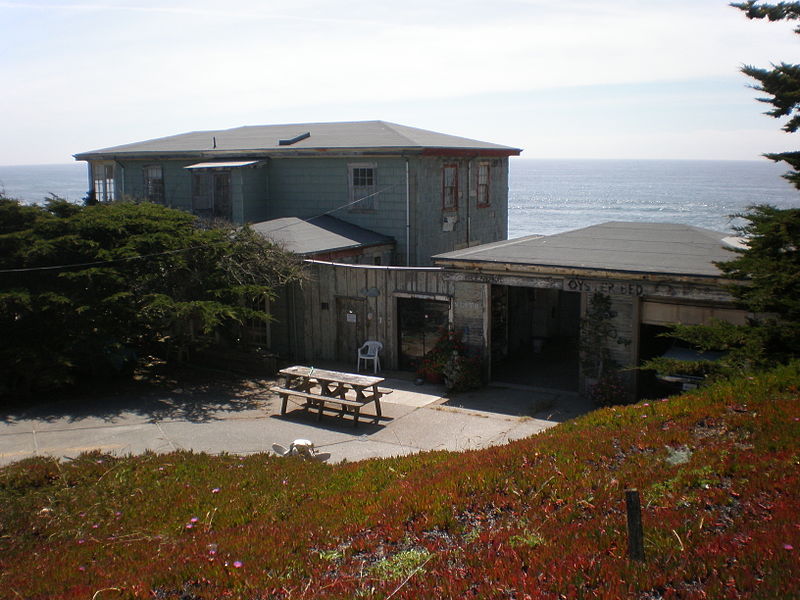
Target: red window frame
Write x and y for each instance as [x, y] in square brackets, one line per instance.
[483, 184]
[450, 192]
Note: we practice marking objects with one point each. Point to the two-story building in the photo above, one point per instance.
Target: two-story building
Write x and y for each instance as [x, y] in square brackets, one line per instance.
[429, 192]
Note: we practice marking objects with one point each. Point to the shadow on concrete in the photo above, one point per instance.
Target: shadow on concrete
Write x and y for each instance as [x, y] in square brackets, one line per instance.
[157, 394]
[329, 422]
[522, 401]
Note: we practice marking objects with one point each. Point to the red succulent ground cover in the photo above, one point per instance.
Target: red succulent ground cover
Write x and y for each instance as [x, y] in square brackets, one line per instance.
[718, 471]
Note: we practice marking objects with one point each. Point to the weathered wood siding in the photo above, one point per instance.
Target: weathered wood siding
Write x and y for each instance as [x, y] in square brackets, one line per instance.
[436, 230]
[307, 187]
[177, 181]
[408, 199]
[253, 195]
[378, 287]
[471, 309]
[249, 190]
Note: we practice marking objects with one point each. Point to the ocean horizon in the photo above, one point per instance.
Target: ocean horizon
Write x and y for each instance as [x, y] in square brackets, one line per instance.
[548, 196]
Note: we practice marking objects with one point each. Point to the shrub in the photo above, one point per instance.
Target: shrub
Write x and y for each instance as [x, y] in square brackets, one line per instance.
[448, 361]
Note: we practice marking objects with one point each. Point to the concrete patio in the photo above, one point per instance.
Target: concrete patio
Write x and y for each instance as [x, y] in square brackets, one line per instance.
[244, 421]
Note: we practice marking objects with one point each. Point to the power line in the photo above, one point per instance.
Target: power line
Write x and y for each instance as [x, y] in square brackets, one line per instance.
[145, 256]
[107, 262]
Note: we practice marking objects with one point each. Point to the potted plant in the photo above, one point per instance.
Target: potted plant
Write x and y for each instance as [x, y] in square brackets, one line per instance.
[447, 362]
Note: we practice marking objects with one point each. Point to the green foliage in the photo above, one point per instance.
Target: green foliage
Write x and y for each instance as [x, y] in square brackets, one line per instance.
[770, 262]
[529, 539]
[83, 289]
[402, 564]
[448, 361]
[773, 12]
[767, 275]
[781, 83]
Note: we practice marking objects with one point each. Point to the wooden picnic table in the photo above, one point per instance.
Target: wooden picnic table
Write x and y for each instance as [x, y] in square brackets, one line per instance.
[350, 391]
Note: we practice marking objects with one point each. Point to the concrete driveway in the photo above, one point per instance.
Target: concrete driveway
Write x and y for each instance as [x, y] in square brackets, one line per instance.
[243, 417]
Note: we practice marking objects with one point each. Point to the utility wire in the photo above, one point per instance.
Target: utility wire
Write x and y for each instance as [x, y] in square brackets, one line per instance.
[144, 256]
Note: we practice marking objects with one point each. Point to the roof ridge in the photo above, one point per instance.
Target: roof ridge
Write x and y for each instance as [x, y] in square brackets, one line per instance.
[393, 127]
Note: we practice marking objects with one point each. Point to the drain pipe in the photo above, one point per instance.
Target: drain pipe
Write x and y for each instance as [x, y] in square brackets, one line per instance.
[408, 217]
[469, 197]
[121, 181]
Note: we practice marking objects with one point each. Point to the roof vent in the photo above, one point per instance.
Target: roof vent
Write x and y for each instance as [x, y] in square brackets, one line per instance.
[295, 139]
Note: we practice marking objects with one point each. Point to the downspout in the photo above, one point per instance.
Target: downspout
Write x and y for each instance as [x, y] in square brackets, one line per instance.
[121, 180]
[92, 191]
[469, 196]
[408, 217]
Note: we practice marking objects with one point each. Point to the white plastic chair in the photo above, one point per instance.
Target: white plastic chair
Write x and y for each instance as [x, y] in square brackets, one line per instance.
[370, 351]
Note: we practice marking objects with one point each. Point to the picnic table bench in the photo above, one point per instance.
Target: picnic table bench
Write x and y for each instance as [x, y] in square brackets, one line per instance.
[322, 389]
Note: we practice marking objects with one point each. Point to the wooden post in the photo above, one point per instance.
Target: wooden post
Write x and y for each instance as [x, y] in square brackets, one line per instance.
[635, 532]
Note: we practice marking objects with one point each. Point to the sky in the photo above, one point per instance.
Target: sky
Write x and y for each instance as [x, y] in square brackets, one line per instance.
[574, 79]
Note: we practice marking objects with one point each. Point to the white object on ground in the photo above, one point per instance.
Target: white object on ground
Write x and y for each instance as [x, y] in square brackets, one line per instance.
[302, 448]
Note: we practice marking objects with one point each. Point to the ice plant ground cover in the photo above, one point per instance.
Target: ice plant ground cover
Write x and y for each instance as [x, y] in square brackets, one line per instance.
[718, 471]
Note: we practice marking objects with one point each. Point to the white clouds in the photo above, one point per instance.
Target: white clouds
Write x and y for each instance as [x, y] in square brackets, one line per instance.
[162, 64]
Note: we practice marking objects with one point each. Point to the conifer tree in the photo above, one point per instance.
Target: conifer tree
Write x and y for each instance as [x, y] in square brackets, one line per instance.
[767, 268]
[781, 82]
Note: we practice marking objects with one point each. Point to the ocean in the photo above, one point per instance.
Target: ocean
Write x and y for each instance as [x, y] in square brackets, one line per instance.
[33, 183]
[550, 196]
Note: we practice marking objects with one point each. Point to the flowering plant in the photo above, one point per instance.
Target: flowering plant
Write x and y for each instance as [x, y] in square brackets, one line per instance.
[447, 361]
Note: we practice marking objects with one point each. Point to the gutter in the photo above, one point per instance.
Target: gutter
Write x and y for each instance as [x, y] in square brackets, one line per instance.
[116, 153]
[479, 268]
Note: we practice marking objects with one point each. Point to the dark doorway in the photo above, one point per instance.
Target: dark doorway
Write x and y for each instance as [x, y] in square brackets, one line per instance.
[535, 335]
[211, 194]
[420, 322]
[350, 327]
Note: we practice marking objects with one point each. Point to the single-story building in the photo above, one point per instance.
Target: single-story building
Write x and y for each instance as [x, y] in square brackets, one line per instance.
[328, 238]
[520, 302]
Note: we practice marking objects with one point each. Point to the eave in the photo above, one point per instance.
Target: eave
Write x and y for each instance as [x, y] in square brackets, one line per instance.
[485, 268]
[306, 152]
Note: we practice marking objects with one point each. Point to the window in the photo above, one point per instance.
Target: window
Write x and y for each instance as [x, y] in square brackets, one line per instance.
[154, 184]
[483, 184]
[211, 194]
[450, 187]
[362, 186]
[103, 176]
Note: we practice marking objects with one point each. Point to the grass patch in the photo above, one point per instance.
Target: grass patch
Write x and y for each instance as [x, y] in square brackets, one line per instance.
[400, 565]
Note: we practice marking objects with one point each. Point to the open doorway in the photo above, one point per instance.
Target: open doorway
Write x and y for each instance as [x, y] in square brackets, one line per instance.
[653, 343]
[534, 333]
[420, 323]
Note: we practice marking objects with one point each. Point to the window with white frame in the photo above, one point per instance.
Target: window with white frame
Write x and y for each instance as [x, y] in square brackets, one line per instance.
[362, 186]
[450, 187]
[484, 198]
[154, 183]
[103, 184]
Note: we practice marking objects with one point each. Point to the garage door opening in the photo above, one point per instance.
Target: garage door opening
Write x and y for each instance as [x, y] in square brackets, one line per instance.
[534, 335]
[420, 323]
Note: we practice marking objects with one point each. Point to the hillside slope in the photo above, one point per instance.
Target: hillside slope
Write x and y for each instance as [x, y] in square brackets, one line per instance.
[539, 518]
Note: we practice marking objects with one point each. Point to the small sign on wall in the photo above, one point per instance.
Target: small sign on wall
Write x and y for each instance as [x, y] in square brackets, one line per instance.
[351, 317]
